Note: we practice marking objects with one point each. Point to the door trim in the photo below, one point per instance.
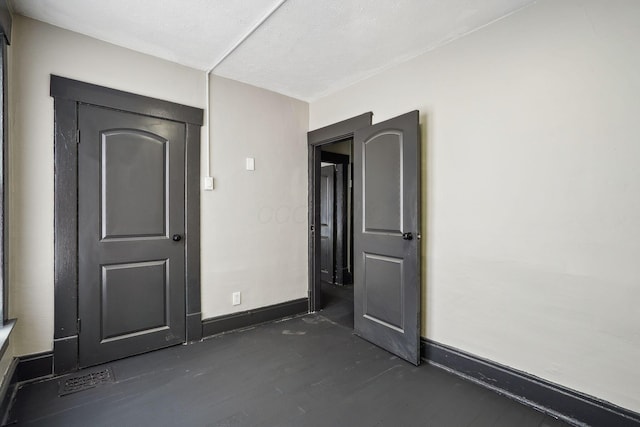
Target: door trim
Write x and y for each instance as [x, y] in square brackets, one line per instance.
[316, 139]
[67, 95]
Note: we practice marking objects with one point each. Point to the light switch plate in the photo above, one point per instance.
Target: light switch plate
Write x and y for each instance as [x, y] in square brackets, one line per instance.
[208, 183]
[251, 164]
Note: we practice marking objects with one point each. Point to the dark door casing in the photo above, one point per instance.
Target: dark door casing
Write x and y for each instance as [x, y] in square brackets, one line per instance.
[131, 225]
[139, 286]
[387, 234]
[316, 139]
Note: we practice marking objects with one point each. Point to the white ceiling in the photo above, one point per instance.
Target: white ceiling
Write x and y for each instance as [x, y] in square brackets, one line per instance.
[306, 49]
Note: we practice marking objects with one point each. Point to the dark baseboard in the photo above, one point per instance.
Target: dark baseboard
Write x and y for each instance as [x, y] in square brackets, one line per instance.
[229, 322]
[561, 402]
[22, 369]
[34, 366]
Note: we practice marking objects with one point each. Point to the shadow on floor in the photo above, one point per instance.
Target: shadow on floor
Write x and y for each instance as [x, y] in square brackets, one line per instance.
[338, 303]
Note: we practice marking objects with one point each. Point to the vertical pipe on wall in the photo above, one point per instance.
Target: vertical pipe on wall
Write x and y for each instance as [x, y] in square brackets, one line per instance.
[228, 52]
[207, 119]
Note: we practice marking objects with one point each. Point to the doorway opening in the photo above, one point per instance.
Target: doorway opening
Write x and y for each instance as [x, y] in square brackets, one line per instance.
[336, 231]
[332, 290]
[386, 228]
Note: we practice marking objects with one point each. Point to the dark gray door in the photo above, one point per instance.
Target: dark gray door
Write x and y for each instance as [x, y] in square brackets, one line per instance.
[130, 234]
[327, 223]
[386, 235]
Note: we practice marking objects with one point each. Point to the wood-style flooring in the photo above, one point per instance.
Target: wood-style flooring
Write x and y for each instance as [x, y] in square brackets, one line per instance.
[304, 371]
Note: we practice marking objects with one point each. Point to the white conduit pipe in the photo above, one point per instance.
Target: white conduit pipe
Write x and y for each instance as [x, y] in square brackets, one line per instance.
[218, 62]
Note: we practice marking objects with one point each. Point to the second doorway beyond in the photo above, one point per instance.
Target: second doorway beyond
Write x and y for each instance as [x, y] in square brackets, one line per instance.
[337, 233]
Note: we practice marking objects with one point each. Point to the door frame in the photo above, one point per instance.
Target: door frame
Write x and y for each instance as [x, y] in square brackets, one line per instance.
[68, 94]
[315, 139]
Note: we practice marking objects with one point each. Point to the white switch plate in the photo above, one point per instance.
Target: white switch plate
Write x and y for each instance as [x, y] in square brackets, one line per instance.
[208, 183]
[251, 164]
[236, 298]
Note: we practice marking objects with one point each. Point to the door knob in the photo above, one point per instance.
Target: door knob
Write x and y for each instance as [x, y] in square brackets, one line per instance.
[407, 236]
[176, 237]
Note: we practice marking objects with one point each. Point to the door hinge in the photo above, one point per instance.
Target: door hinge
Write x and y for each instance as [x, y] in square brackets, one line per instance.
[78, 325]
[77, 136]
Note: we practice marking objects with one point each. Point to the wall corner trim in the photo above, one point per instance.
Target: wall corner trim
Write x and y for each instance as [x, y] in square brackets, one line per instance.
[556, 400]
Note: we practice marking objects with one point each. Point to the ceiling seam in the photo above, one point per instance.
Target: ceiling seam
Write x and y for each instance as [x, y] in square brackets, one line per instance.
[242, 39]
[247, 34]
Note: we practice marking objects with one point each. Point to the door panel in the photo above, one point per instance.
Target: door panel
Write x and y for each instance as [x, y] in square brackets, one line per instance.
[327, 223]
[131, 271]
[134, 202]
[386, 260]
[382, 191]
[134, 297]
[383, 290]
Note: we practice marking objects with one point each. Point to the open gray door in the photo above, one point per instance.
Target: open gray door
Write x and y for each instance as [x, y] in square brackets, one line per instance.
[386, 235]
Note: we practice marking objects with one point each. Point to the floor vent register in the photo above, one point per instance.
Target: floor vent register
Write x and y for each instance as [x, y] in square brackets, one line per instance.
[85, 381]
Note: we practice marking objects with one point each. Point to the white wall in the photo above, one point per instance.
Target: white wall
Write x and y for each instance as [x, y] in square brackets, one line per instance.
[531, 178]
[39, 50]
[254, 224]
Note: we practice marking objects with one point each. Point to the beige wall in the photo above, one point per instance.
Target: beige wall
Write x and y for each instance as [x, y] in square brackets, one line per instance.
[39, 50]
[254, 224]
[530, 170]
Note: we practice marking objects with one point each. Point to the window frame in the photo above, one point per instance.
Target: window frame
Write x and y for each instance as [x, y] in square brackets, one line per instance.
[5, 38]
[6, 325]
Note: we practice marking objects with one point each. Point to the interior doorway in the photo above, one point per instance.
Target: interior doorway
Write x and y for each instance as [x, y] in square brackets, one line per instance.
[386, 228]
[321, 148]
[336, 231]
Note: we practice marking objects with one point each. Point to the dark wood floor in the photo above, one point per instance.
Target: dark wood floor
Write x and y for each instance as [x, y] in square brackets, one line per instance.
[338, 304]
[304, 371]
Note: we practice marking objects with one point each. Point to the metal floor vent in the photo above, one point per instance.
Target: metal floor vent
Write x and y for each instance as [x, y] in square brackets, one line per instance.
[85, 381]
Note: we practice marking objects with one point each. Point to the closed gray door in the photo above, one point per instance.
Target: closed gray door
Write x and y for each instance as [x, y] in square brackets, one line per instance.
[327, 223]
[386, 235]
[130, 234]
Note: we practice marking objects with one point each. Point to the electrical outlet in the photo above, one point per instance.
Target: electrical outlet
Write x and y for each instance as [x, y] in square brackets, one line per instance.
[236, 298]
